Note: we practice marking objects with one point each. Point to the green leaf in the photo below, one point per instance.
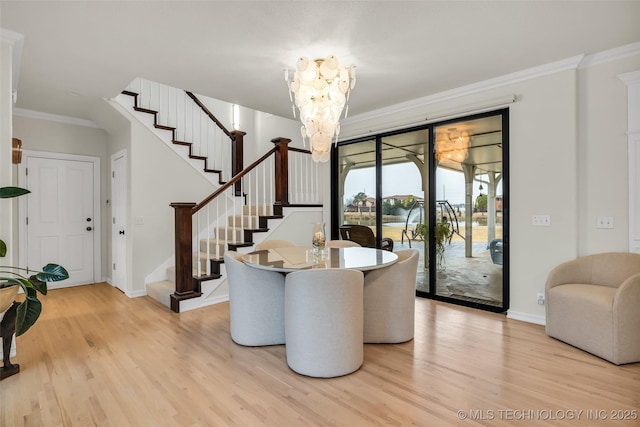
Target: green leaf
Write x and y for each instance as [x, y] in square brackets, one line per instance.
[28, 312]
[38, 285]
[25, 284]
[3, 248]
[9, 192]
[52, 273]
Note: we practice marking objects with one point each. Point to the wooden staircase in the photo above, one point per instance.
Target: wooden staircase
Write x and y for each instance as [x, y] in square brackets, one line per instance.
[249, 209]
[230, 238]
[236, 137]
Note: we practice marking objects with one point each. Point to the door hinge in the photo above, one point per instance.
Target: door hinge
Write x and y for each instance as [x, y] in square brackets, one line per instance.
[26, 171]
[114, 220]
[114, 266]
[113, 174]
[27, 219]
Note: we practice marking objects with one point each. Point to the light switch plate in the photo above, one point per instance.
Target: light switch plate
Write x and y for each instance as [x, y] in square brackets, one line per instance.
[541, 220]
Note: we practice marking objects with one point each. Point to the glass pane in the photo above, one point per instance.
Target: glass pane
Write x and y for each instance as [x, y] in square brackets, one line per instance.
[404, 178]
[468, 211]
[357, 184]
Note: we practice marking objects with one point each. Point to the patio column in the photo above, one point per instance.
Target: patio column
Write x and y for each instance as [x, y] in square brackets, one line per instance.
[469, 173]
[494, 179]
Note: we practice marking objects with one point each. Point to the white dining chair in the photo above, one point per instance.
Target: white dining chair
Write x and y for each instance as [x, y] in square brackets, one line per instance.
[323, 322]
[268, 244]
[256, 303]
[342, 244]
[389, 300]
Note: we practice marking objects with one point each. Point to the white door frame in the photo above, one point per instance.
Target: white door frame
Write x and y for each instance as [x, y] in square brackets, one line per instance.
[126, 285]
[22, 208]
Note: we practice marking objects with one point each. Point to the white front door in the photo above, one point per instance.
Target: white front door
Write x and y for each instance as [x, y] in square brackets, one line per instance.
[60, 217]
[119, 220]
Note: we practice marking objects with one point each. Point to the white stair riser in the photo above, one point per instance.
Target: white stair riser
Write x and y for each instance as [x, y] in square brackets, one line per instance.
[243, 221]
[211, 244]
[230, 234]
[257, 210]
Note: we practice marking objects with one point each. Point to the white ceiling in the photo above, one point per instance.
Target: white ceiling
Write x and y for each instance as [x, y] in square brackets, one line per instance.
[236, 51]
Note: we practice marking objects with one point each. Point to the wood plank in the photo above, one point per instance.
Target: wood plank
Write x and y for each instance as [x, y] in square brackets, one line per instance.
[96, 357]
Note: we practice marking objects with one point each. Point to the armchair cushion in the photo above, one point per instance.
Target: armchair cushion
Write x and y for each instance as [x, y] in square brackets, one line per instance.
[592, 303]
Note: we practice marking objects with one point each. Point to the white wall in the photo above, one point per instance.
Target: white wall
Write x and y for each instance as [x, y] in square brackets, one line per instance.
[260, 127]
[567, 159]
[602, 165]
[157, 177]
[296, 227]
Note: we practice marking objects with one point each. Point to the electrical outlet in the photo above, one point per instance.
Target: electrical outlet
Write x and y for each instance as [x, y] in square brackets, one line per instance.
[604, 222]
[540, 299]
[541, 220]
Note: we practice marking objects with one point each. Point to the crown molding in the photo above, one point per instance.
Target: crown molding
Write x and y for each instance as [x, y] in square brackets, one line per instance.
[611, 55]
[631, 78]
[54, 118]
[507, 79]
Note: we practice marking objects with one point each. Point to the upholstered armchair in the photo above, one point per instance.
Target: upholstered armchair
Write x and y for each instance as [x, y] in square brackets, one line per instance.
[389, 300]
[256, 303]
[324, 321]
[593, 303]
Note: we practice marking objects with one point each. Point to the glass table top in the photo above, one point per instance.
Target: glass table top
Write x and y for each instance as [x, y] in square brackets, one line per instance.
[296, 258]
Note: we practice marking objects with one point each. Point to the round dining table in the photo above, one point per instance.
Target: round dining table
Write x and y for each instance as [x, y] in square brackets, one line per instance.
[295, 258]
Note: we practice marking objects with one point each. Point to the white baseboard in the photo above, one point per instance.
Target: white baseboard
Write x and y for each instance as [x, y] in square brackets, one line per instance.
[136, 294]
[526, 317]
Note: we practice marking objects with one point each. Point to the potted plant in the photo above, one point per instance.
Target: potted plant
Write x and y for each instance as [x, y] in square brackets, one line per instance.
[31, 282]
[443, 234]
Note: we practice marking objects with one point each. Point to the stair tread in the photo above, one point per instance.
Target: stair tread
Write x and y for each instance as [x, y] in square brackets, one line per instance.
[205, 277]
[145, 110]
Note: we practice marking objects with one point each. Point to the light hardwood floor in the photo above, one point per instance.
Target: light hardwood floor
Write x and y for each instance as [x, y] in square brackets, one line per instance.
[99, 358]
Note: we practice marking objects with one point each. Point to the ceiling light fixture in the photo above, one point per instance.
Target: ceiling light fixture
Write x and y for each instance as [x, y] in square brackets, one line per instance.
[320, 92]
[454, 146]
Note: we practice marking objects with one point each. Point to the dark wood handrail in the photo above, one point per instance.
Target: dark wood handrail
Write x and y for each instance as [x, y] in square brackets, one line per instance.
[299, 150]
[232, 181]
[236, 137]
[211, 116]
[186, 286]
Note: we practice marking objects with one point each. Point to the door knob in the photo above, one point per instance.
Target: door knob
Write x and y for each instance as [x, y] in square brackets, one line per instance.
[88, 219]
[121, 232]
[89, 228]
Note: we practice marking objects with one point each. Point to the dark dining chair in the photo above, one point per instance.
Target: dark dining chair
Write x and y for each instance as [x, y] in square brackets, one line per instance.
[363, 235]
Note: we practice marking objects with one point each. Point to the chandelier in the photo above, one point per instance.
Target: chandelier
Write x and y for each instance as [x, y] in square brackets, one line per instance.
[320, 92]
[453, 146]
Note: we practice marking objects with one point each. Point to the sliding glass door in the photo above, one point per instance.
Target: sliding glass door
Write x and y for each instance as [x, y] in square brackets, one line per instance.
[468, 212]
[440, 189]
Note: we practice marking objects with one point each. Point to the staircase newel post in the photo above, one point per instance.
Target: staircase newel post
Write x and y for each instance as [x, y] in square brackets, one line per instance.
[237, 154]
[282, 174]
[184, 261]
